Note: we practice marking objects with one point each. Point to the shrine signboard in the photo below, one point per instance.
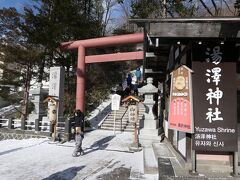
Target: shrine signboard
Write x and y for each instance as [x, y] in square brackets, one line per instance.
[214, 101]
[180, 109]
[133, 113]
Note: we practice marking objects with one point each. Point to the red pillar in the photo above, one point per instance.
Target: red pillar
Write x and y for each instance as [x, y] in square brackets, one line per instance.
[80, 94]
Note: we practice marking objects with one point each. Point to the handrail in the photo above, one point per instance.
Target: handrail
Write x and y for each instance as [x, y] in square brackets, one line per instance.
[122, 117]
[99, 124]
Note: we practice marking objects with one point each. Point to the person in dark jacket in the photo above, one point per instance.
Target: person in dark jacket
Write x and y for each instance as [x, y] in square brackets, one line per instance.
[79, 128]
[129, 80]
[119, 90]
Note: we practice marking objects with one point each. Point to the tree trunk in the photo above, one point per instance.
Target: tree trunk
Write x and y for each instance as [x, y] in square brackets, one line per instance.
[41, 71]
[25, 97]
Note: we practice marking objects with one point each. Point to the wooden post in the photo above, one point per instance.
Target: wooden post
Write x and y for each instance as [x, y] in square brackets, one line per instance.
[54, 131]
[135, 134]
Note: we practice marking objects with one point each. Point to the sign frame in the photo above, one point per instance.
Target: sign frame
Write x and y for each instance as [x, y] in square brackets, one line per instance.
[181, 106]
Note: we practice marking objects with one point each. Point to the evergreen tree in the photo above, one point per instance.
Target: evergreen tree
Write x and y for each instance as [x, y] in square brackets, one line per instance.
[18, 56]
[32, 41]
[55, 21]
[237, 7]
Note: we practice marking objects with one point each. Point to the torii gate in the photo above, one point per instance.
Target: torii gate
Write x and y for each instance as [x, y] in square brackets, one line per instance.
[81, 45]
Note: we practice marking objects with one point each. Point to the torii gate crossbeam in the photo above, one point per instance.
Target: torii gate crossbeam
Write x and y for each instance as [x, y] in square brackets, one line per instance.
[81, 45]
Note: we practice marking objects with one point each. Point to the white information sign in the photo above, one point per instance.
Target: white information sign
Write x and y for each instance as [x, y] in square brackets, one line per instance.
[115, 102]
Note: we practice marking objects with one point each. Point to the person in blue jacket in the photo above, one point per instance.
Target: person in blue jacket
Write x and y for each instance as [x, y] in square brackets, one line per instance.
[138, 74]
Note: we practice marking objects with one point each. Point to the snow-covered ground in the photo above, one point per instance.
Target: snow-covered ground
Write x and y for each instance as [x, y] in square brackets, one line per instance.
[106, 156]
[43, 159]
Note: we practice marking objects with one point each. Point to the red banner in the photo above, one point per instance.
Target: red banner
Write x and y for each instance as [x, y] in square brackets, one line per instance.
[180, 108]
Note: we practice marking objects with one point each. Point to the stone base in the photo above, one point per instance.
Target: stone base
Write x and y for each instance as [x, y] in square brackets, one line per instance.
[32, 117]
[193, 173]
[149, 136]
[135, 147]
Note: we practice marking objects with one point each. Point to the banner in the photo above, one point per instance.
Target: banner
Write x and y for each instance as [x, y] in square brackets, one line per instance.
[180, 108]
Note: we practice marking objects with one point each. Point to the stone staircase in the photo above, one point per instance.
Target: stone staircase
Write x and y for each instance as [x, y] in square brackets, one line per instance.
[121, 121]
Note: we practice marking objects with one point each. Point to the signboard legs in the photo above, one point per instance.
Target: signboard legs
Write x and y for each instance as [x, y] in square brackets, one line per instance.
[193, 171]
[115, 106]
[235, 163]
[114, 119]
[54, 132]
[194, 168]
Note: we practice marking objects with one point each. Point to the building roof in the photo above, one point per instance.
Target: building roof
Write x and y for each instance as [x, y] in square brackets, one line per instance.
[131, 98]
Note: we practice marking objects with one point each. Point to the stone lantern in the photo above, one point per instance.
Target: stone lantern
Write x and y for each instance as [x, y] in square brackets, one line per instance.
[149, 131]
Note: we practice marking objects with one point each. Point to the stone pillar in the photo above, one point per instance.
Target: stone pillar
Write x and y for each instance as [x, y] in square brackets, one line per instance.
[10, 123]
[56, 88]
[68, 126]
[39, 111]
[149, 126]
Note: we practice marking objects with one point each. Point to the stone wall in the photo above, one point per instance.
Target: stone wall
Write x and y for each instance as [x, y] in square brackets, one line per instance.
[6, 133]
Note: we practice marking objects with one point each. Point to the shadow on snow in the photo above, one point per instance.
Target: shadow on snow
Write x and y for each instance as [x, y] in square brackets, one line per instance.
[99, 145]
[66, 174]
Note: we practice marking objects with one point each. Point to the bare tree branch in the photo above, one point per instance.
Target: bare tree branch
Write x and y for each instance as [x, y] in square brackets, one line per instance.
[205, 6]
[215, 7]
[228, 7]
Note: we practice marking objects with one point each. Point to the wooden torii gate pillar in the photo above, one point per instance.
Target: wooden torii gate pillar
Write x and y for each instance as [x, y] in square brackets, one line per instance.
[81, 45]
